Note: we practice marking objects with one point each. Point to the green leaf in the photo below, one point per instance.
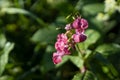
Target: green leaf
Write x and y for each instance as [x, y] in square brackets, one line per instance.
[92, 36]
[93, 9]
[87, 76]
[81, 3]
[5, 3]
[46, 35]
[108, 49]
[87, 54]
[12, 10]
[4, 56]
[78, 61]
[50, 49]
[108, 26]
[6, 77]
[78, 76]
[103, 26]
[47, 63]
[101, 58]
[2, 40]
[106, 63]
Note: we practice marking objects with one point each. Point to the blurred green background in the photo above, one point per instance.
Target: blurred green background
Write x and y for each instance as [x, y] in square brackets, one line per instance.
[28, 30]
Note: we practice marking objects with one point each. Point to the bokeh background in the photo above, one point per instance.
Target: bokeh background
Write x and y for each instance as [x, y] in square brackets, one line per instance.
[28, 31]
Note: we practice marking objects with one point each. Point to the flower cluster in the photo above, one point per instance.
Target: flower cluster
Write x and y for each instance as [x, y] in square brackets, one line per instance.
[63, 44]
[62, 48]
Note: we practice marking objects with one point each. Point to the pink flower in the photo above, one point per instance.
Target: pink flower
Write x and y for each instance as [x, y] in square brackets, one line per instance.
[79, 37]
[77, 23]
[66, 51]
[62, 37]
[60, 45]
[68, 27]
[79, 31]
[84, 24]
[57, 58]
[62, 42]
[62, 48]
[80, 23]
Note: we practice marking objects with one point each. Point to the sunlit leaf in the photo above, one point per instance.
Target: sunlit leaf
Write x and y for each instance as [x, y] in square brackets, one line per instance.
[6, 77]
[4, 56]
[108, 49]
[92, 36]
[77, 60]
[14, 11]
[5, 3]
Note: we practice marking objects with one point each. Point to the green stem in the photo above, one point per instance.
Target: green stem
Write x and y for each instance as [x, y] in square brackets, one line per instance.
[82, 56]
[79, 49]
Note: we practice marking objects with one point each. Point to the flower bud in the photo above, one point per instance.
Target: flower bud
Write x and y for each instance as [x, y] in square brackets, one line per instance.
[57, 58]
[79, 37]
[68, 27]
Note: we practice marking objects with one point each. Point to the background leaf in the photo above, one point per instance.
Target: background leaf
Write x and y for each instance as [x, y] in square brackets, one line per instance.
[103, 63]
[2, 40]
[93, 9]
[47, 35]
[108, 49]
[4, 56]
